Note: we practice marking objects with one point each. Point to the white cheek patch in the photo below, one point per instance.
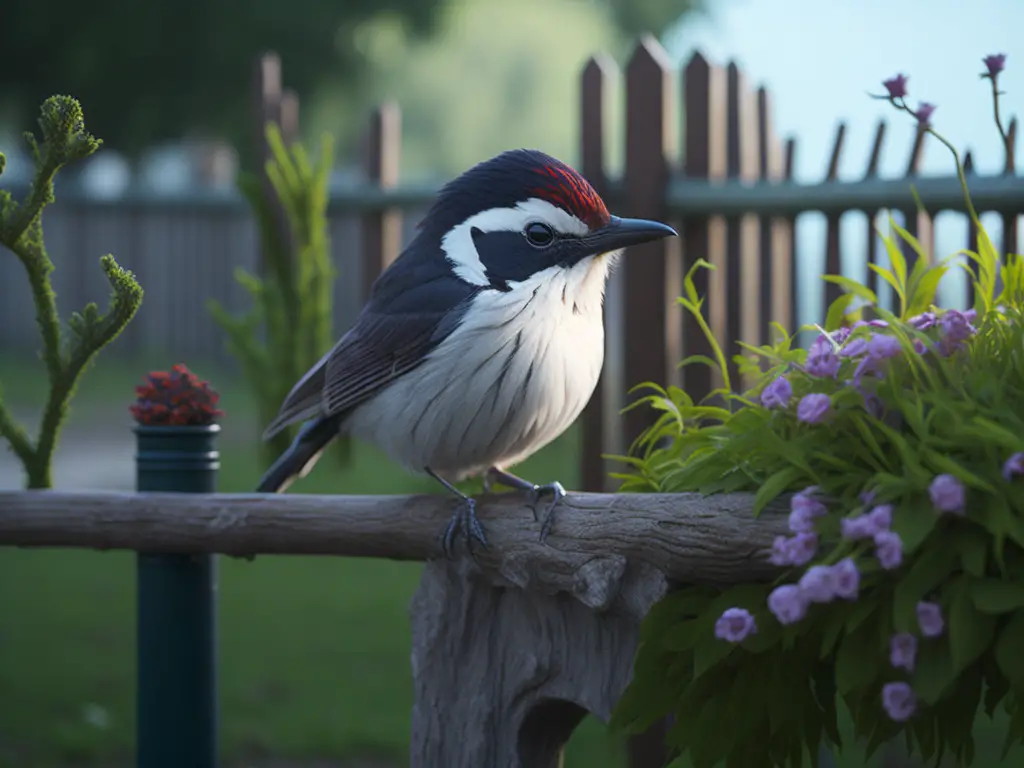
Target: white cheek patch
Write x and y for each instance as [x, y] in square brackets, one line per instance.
[461, 252]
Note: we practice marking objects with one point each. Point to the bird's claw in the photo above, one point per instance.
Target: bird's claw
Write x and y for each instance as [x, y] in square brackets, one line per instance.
[464, 519]
[534, 495]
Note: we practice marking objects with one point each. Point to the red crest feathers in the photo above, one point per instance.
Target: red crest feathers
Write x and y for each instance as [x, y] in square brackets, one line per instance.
[564, 187]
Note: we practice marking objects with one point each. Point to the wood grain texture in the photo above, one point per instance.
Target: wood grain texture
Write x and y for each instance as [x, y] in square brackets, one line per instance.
[687, 537]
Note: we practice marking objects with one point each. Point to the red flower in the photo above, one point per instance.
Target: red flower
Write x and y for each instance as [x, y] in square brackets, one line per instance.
[175, 398]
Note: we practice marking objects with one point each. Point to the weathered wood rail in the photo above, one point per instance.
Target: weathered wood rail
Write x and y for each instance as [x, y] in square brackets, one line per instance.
[511, 647]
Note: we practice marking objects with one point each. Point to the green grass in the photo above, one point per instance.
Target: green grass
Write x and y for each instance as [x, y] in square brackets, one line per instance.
[314, 651]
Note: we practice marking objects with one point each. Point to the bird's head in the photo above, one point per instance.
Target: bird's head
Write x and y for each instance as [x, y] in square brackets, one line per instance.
[523, 213]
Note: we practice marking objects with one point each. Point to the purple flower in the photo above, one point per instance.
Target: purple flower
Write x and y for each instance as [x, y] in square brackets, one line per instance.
[839, 335]
[920, 347]
[924, 113]
[796, 550]
[803, 547]
[866, 497]
[881, 517]
[929, 619]
[902, 651]
[777, 394]
[804, 508]
[956, 326]
[735, 624]
[854, 347]
[899, 701]
[1013, 466]
[859, 527]
[995, 64]
[948, 494]
[787, 603]
[825, 365]
[846, 579]
[896, 86]
[924, 321]
[881, 346]
[814, 408]
[818, 584]
[972, 314]
[888, 549]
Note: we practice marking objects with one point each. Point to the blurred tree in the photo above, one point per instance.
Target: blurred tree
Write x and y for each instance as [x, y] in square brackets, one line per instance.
[496, 75]
[147, 72]
[152, 71]
[634, 17]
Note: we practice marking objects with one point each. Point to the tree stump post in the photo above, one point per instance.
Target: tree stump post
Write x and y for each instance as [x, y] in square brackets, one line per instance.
[503, 672]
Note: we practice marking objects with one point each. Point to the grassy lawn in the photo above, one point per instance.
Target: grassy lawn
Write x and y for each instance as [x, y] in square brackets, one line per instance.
[314, 651]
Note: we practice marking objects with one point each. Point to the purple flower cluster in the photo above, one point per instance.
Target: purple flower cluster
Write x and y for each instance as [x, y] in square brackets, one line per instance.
[874, 525]
[820, 584]
[957, 328]
[898, 698]
[800, 548]
[822, 358]
[1013, 466]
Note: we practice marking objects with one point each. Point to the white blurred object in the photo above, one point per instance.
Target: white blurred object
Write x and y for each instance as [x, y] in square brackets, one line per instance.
[106, 175]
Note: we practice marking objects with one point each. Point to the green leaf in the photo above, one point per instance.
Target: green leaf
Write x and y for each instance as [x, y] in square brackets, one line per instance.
[914, 522]
[997, 596]
[974, 552]
[933, 670]
[1008, 650]
[775, 485]
[837, 311]
[970, 632]
[852, 287]
[929, 570]
[859, 658]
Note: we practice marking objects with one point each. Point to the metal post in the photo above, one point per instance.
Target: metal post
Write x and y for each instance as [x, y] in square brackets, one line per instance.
[176, 699]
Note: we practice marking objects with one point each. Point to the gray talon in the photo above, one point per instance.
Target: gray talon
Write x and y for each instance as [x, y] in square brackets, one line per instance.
[557, 493]
[463, 520]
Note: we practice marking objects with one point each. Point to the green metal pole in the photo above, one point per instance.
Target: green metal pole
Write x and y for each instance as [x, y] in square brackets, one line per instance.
[176, 699]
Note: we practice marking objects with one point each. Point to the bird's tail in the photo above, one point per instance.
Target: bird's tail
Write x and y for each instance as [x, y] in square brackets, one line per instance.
[315, 435]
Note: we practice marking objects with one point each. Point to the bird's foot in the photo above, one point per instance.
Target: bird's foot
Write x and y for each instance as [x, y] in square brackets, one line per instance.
[534, 493]
[463, 520]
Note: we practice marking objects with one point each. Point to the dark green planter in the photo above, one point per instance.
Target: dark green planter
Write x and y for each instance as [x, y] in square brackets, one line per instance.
[177, 605]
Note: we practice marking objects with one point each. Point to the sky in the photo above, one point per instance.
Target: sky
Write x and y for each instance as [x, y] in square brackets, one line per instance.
[819, 60]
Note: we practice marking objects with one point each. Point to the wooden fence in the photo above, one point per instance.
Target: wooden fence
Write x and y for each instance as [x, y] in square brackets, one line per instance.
[732, 197]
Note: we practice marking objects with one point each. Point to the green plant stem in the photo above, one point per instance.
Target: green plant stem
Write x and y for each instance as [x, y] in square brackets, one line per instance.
[960, 174]
[1007, 149]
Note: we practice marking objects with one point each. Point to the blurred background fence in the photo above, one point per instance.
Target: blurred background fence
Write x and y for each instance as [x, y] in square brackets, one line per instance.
[731, 195]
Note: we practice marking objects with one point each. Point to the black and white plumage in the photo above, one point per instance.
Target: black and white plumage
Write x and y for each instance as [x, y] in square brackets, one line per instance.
[482, 342]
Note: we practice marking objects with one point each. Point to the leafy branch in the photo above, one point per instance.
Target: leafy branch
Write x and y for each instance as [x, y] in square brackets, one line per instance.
[64, 140]
[288, 327]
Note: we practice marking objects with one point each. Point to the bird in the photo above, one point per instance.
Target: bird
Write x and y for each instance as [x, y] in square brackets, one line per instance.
[479, 344]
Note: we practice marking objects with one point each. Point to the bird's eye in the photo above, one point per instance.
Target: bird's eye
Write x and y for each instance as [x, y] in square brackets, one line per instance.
[539, 235]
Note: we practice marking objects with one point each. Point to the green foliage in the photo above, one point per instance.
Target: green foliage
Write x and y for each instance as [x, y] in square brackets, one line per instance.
[919, 399]
[64, 140]
[288, 328]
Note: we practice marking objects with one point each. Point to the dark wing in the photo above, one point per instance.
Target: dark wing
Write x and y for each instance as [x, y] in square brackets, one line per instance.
[392, 335]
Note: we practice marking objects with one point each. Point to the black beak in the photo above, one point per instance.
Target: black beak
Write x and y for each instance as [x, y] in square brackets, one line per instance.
[620, 233]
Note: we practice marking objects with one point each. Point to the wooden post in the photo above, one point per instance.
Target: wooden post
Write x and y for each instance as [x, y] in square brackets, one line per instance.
[833, 259]
[271, 103]
[743, 268]
[704, 155]
[650, 271]
[776, 233]
[972, 231]
[1009, 168]
[788, 166]
[600, 422]
[870, 173]
[382, 230]
[919, 224]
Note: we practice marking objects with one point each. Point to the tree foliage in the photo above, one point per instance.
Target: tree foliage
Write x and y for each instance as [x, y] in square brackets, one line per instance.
[67, 355]
[190, 61]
